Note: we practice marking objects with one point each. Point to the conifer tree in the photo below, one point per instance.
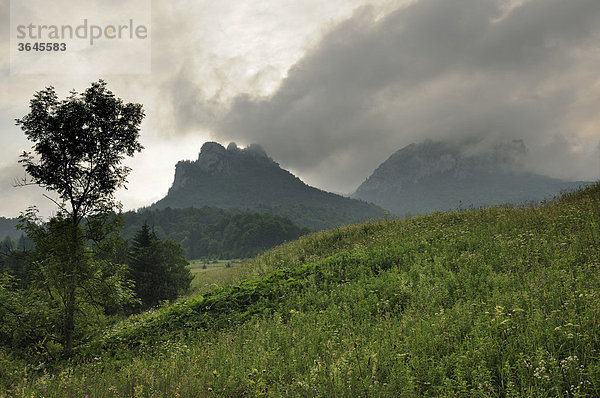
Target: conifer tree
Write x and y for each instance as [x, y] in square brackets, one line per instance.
[158, 269]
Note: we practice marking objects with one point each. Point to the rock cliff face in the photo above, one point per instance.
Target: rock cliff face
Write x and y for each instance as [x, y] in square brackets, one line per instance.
[248, 178]
[421, 178]
[215, 160]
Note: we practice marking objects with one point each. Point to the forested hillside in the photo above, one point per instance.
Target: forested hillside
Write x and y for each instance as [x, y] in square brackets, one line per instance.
[247, 179]
[211, 232]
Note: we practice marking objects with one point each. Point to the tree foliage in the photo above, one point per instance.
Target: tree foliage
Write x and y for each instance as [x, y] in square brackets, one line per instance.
[211, 232]
[158, 268]
[75, 284]
[79, 144]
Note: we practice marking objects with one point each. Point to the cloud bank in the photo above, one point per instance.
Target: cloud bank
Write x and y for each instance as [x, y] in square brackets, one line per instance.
[435, 69]
[203, 54]
[333, 90]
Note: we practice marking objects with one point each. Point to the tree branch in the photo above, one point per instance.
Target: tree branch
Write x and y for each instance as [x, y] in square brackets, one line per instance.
[55, 202]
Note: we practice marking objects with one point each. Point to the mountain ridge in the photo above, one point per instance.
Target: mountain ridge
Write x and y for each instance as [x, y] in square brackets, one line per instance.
[431, 176]
[249, 179]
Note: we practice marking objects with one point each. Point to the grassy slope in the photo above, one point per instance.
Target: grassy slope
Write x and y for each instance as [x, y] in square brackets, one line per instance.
[494, 302]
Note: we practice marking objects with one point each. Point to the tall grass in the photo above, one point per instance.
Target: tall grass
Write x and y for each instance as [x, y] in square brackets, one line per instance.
[495, 302]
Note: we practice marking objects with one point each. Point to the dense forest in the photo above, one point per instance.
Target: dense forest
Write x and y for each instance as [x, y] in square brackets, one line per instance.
[208, 232]
[211, 232]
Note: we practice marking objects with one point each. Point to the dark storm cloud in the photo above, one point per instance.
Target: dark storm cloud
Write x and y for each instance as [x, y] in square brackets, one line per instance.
[438, 69]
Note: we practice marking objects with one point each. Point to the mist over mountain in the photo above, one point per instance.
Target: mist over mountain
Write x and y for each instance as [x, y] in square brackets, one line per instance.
[249, 179]
[430, 176]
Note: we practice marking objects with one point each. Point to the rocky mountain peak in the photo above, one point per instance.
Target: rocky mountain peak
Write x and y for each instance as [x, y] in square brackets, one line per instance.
[209, 148]
[214, 158]
[459, 160]
[211, 156]
[247, 178]
[428, 176]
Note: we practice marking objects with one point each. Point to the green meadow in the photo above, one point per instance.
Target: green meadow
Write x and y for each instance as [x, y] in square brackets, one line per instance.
[496, 302]
[210, 274]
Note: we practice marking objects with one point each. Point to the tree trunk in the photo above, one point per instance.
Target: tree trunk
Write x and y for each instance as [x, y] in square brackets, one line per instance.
[69, 323]
[71, 299]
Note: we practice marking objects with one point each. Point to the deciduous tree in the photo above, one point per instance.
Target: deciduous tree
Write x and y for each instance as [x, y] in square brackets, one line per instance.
[79, 145]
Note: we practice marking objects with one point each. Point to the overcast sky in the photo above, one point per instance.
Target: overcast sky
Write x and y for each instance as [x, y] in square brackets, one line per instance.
[332, 88]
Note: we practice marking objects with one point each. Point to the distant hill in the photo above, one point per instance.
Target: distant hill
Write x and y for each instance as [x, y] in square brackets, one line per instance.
[422, 178]
[8, 227]
[248, 179]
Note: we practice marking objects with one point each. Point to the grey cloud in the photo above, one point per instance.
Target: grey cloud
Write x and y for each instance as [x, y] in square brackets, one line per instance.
[4, 34]
[190, 107]
[438, 69]
[562, 158]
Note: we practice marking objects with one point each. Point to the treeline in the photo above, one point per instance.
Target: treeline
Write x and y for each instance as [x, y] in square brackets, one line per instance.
[20, 243]
[210, 232]
[121, 271]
